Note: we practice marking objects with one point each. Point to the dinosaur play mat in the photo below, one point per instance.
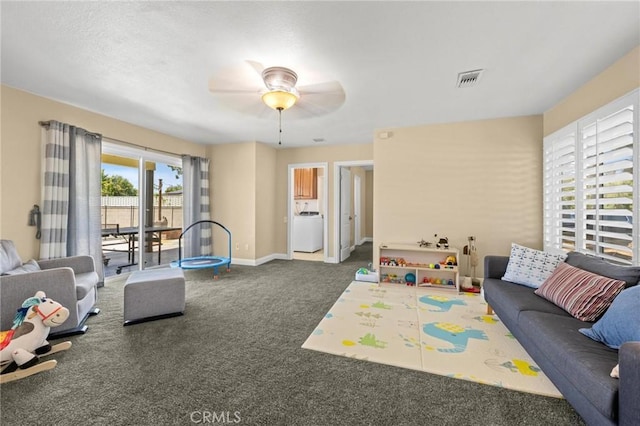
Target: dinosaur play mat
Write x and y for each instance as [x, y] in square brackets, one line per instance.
[431, 330]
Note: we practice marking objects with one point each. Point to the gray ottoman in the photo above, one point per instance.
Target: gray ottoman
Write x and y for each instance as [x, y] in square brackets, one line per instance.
[153, 294]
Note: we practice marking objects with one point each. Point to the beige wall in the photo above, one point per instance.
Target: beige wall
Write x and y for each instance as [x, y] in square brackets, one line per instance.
[233, 188]
[328, 154]
[617, 80]
[243, 183]
[480, 178]
[265, 201]
[20, 155]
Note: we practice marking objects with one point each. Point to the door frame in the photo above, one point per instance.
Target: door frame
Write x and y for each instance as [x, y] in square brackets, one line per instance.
[357, 210]
[336, 201]
[346, 214]
[325, 206]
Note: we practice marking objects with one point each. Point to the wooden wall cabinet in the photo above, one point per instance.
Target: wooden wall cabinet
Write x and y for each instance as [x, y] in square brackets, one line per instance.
[305, 185]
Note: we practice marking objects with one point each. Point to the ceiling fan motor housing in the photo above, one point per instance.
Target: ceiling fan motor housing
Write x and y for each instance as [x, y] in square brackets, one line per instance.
[279, 78]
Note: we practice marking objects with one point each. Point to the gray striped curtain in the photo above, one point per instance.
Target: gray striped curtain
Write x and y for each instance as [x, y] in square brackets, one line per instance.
[71, 193]
[55, 191]
[195, 178]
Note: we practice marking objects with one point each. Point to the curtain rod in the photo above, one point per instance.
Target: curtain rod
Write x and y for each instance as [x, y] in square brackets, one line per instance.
[144, 148]
[48, 123]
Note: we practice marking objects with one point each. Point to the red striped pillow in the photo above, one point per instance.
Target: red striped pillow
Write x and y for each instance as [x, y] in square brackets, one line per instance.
[581, 293]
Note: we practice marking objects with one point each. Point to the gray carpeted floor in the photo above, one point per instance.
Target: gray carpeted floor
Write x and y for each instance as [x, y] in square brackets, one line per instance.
[235, 357]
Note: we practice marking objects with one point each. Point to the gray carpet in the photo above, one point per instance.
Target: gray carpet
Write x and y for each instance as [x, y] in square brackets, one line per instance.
[235, 357]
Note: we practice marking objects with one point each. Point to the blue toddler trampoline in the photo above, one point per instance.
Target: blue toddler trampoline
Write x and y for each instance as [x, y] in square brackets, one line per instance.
[203, 262]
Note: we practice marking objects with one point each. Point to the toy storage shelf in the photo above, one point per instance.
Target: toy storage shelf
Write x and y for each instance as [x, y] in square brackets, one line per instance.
[397, 260]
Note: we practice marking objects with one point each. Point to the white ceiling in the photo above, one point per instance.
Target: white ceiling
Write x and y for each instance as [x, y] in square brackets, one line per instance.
[149, 63]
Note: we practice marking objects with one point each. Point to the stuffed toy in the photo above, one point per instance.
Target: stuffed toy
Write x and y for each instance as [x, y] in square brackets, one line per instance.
[26, 341]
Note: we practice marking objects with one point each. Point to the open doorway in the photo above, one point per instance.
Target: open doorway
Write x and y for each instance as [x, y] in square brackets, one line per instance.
[307, 212]
[353, 206]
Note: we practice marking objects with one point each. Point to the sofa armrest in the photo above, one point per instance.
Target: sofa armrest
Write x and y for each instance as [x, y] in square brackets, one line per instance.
[59, 284]
[629, 389]
[79, 264]
[495, 266]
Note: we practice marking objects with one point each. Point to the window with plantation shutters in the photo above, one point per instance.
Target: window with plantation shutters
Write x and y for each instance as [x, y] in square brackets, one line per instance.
[591, 184]
[560, 190]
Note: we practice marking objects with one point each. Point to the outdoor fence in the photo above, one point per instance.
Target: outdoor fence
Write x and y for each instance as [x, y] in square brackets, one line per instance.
[123, 211]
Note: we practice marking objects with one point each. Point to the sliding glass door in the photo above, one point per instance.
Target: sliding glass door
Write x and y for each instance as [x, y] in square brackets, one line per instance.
[141, 208]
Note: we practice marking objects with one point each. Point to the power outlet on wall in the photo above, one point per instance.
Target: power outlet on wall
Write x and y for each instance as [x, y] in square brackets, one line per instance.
[237, 246]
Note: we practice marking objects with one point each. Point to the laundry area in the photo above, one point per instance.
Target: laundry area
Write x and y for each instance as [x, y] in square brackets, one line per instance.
[308, 217]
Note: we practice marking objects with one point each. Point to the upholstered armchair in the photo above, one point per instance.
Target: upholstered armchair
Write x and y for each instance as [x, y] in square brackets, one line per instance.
[72, 281]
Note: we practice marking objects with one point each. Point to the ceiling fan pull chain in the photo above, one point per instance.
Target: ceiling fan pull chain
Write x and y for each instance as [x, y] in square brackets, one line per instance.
[280, 126]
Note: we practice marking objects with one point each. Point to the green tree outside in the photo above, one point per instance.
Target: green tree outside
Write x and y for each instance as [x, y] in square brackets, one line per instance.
[117, 186]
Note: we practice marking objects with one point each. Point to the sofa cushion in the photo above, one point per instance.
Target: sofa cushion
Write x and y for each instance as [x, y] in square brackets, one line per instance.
[584, 363]
[583, 294]
[621, 322]
[629, 274]
[510, 299]
[9, 258]
[30, 266]
[530, 267]
[85, 283]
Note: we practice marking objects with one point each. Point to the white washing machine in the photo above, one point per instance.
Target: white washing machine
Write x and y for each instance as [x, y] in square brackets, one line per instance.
[307, 232]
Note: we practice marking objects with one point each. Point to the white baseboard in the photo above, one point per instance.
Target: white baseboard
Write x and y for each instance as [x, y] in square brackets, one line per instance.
[260, 261]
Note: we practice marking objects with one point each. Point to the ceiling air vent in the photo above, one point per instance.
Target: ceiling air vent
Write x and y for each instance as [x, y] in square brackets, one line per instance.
[318, 140]
[468, 78]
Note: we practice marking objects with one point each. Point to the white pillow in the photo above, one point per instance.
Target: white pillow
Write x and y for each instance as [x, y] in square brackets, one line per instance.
[531, 267]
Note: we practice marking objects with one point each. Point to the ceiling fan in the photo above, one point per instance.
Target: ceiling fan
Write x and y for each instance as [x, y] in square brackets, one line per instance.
[254, 90]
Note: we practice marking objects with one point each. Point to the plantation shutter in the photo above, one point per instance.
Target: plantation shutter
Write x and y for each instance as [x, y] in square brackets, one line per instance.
[560, 190]
[607, 181]
[591, 182]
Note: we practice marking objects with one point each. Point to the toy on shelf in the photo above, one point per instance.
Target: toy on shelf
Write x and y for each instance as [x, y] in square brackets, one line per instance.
[386, 261]
[22, 346]
[423, 243]
[410, 279]
[442, 242]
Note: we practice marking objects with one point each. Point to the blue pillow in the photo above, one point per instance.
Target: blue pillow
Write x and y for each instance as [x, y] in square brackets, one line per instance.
[620, 323]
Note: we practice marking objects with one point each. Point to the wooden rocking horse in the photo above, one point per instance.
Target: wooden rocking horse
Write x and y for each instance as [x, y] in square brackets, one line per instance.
[22, 346]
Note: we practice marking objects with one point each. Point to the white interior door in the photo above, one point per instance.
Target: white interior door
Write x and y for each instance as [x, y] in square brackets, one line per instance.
[345, 213]
[357, 211]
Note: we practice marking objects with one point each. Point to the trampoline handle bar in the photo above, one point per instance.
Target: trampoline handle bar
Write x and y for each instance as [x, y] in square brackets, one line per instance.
[198, 223]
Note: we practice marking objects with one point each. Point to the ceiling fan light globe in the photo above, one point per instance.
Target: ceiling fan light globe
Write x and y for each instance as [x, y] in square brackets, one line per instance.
[279, 99]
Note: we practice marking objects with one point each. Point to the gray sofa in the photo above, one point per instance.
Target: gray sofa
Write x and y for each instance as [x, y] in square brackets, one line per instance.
[71, 281]
[578, 366]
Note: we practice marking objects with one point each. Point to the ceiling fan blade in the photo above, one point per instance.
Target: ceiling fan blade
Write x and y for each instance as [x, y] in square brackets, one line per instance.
[319, 88]
[239, 78]
[257, 67]
[318, 99]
